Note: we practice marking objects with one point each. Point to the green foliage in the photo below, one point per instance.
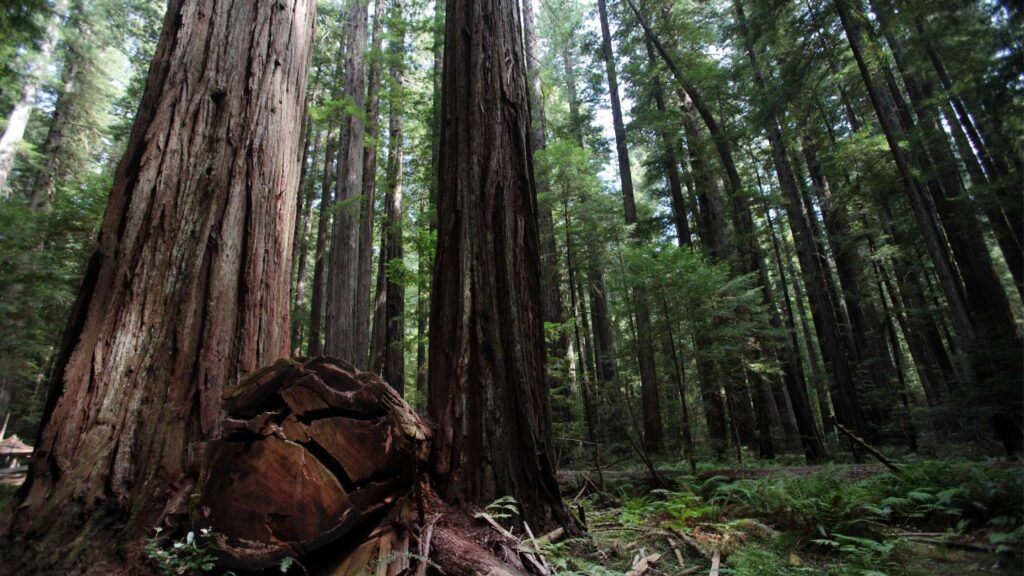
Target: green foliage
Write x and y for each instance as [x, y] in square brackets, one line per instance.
[501, 509]
[192, 555]
[670, 508]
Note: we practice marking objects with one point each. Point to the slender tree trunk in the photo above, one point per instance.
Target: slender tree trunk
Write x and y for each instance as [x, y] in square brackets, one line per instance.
[394, 334]
[133, 397]
[487, 370]
[17, 120]
[922, 206]
[793, 370]
[316, 308]
[670, 161]
[300, 245]
[64, 114]
[653, 429]
[864, 321]
[423, 300]
[551, 281]
[367, 200]
[343, 328]
[981, 311]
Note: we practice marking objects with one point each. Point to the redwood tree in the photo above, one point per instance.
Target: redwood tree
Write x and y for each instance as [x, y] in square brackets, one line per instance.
[187, 289]
[487, 376]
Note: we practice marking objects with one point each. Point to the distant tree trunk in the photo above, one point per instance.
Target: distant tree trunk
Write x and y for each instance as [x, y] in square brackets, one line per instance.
[922, 206]
[17, 120]
[798, 394]
[367, 201]
[394, 334]
[812, 260]
[64, 113]
[316, 307]
[670, 161]
[303, 223]
[487, 372]
[653, 429]
[423, 299]
[552, 280]
[817, 374]
[867, 329]
[134, 397]
[581, 337]
[343, 329]
[981, 310]
[679, 375]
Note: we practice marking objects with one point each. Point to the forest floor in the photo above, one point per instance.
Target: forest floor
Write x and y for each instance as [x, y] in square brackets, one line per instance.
[936, 518]
[940, 518]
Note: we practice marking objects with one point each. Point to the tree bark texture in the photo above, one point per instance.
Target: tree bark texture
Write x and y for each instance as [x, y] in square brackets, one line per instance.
[394, 317]
[487, 371]
[343, 329]
[198, 229]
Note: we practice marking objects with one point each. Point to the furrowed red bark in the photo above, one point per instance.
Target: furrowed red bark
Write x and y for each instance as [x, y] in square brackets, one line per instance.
[343, 329]
[198, 228]
[487, 371]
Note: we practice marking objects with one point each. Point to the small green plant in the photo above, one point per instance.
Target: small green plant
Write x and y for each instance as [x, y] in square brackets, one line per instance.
[189, 556]
[501, 509]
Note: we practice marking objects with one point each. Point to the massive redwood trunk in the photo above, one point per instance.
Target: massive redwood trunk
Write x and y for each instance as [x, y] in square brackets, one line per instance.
[186, 290]
[487, 372]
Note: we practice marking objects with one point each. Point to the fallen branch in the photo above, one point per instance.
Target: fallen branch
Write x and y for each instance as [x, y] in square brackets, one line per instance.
[716, 562]
[643, 565]
[692, 543]
[551, 537]
[867, 447]
[675, 550]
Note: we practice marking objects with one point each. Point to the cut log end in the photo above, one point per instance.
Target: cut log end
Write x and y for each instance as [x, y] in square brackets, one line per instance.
[312, 450]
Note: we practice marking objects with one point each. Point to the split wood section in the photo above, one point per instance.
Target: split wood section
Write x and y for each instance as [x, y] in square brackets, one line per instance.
[312, 451]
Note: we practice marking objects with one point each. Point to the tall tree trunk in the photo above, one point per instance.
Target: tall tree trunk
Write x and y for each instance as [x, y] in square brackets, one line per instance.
[980, 307]
[864, 322]
[812, 260]
[394, 331]
[487, 372]
[64, 115]
[134, 397]
[653, 429]
[303, 223]
[367, 200]
[924, 210]
[17, 120]
[551, 283]
[670, 160]
[343, 329]
[319, 288]
[422, 299]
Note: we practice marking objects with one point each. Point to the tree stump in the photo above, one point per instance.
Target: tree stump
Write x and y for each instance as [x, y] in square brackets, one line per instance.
[311, 451]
